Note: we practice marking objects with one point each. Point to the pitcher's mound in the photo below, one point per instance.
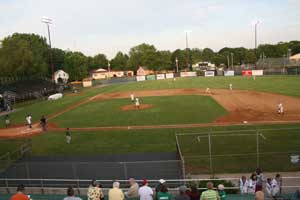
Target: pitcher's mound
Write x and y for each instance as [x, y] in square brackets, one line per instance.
[132, 107]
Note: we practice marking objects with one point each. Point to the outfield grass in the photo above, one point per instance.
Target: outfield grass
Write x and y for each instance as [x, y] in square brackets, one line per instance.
[165, 110]
[287, 85]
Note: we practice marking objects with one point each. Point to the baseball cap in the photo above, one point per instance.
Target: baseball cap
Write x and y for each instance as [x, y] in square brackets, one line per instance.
[145, 181]
[162, 181]
[183, 188]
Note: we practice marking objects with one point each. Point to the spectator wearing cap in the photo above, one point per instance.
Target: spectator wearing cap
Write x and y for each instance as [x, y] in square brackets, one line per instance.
[193, 193]
[182, 194]
[210, 193]
[71, 194]
[161, 182]
[163, 194]
[145, 192]
[20, 194]
[133, 191]
[94, 191]
[116, 193]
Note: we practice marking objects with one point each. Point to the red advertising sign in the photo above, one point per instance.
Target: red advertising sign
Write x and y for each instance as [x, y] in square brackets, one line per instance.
[247, 72]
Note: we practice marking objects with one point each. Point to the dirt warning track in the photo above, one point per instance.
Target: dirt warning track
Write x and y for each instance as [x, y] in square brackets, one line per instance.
[242, 106]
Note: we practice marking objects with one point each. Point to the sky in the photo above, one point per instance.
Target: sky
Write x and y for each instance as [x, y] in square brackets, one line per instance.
[109, 26]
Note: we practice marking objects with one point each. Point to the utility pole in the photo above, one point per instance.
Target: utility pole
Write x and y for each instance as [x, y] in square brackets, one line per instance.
[176, 60]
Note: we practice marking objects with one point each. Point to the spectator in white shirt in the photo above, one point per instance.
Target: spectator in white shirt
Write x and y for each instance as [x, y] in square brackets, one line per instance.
[252, 184]
[145, 192]
[244, 185]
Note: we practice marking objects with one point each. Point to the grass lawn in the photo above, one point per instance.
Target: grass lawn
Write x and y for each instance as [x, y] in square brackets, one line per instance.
[165, 110]
[287, 85]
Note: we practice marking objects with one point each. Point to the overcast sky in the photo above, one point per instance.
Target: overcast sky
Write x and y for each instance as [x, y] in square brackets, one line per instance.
[107, 26]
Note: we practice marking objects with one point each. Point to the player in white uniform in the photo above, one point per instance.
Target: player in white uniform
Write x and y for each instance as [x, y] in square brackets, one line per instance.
[137, 103]
[280, 108]
[230, 86]
[207, 90]
[132, 97]
[28, 120]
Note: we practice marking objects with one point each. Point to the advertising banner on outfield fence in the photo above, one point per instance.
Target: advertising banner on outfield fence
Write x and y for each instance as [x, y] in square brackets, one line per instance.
[257, 72]
[209, 73]
[160, 76]
[140, 78]
[169, 75]
[150, 77]
[247, 73]
[229, 73]
[188, 74]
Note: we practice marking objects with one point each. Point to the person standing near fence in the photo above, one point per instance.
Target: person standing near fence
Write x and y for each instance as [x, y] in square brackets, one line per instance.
[116, 193]
[244, 185]
[164, 194]
[252, 184]
[182, 194]
[210, 193]
[145, 192]
[259, 180]
[29, 120]
[71, 194]
[7, 121]
[133, 191]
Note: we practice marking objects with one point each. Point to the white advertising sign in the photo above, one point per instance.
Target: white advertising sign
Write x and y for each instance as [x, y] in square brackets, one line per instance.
[257, 72]
[160, 76]
[140, 78]
[169, 75]
[188, 74]
[209, 73]
[229, 73]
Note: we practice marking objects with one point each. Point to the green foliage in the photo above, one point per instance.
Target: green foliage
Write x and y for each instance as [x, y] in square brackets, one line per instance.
[76, 65]
[24, 55]
[98, 61]
[119, 62]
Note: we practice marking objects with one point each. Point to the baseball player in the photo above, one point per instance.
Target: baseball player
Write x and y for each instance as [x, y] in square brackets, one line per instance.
[280, 108]
[132, 97]
[230, 86]
[207, 90]
[137, 103]
[28, 120]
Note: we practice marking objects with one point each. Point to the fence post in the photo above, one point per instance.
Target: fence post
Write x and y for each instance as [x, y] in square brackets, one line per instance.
[42, 186]
[183, 169]
[6, 185]
[78, 186]
[210, 157]
[125, 170]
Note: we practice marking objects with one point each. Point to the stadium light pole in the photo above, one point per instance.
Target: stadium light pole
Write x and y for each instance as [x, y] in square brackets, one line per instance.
[48, 21]
[256, 23]
[187, 46]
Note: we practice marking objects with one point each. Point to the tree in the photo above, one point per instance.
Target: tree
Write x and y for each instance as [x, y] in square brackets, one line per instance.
[181, 57]
[196, 55]
[58, 57]
[119, 62]
[98, 61]
[24, 55]
[143, 55]
[76, 64]
[207, 54]
[165, 60]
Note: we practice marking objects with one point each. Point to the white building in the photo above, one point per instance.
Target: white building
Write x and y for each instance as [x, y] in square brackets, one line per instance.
[61, 77]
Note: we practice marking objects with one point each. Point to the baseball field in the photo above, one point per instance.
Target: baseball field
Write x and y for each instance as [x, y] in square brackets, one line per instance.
[103, 120]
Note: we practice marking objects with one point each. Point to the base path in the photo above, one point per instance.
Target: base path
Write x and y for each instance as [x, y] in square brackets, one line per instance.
[243, 106]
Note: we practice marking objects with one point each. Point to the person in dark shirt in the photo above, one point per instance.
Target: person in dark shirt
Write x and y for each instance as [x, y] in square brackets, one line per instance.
[194, 194]
[68, 136]
[182, 194]
[43, 123]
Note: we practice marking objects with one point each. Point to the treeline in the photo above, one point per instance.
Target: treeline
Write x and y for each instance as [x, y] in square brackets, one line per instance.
[28, 55]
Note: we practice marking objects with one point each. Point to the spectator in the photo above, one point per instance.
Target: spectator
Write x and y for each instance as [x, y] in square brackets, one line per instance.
[210, 194]
[194, 193]
[43, 122]
[161, 182]
[20, 194]
[272, 188]
[252, 184]
[278, 181]
[68, 136]
[244, 185]
[29, 120]
[259, 180]
[7, 121]
[133, 191]
[94, 191]
[145, 192]
[71, 194]
[259, 195]
[221, 192]
[163, 194]
[115, 193]
[182, 194]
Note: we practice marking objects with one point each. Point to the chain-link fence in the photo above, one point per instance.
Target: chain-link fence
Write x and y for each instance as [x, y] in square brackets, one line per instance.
[240, 151]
